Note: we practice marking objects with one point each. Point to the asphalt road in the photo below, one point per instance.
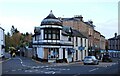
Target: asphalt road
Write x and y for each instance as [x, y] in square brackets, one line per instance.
[21, 65]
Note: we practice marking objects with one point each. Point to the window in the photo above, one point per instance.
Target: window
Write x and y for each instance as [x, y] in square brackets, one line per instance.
[51, 34]
[81, 42]
[76, 41]
[69, 39]
[85, 42]
[53, 53]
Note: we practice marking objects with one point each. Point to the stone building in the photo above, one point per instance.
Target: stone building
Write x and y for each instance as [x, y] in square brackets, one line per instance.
[114, 43]
[102, 43]
[96, 42]
[114, 46]
[87, 29]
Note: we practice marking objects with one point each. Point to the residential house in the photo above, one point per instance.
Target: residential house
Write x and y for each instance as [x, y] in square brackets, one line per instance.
[102, 43]
[114, 43]
[96, 42]
[114, 46]
[2, 42]
[87, 29]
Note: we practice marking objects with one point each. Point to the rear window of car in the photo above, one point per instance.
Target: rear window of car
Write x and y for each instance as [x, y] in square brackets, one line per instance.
[88, 57]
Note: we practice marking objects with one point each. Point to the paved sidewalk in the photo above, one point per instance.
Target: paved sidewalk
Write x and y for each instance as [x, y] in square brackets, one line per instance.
[59, 64]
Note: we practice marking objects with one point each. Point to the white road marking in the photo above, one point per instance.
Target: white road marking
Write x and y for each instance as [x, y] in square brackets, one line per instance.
[93, 69]
[6, 71]
[50, 72]
[13, 70]
[19, 69]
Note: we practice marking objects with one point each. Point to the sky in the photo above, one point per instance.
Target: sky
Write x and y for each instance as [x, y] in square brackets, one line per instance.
[27, 14]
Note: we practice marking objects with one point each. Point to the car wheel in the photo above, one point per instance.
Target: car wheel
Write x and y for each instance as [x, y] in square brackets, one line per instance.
[84, 63]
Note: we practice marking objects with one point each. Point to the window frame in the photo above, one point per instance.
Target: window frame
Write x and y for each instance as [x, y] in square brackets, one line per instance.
[49, 32]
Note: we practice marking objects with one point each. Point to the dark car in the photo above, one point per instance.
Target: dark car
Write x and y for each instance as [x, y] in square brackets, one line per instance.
[106, 58]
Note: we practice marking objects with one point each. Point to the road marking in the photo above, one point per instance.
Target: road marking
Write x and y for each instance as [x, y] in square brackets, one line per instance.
[5, 60]
[21, 61]
[13, 70]
[6, 71]
[77, 74]
[50, 72]
[93, 69]
[19, 69]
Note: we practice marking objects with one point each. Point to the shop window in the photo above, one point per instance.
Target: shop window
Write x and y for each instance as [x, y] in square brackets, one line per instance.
[69, 39]
[53, 53]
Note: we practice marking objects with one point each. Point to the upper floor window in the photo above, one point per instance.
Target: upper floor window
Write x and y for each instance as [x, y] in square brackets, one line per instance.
[51, 34]
[85, 43]
[81, 42]
[69, 38]
[76, 41]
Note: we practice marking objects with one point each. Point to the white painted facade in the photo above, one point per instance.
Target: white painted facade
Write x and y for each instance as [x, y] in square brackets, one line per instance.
[52, 50]
[80, 53]
[2, 42]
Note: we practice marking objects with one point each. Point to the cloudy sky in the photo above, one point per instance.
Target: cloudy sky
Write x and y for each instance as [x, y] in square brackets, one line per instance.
[26, 14]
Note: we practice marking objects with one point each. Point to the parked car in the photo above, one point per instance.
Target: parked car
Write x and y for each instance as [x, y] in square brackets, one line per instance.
[106, 58]
[90, 60]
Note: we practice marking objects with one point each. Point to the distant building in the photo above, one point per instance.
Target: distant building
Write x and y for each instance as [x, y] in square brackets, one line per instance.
[2, 42]
[114, 43]
[54, 41]
[96, 42]
[102, 43]
[114, 46]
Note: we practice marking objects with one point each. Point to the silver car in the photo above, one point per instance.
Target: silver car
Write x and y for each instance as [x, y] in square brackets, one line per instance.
[90, 60]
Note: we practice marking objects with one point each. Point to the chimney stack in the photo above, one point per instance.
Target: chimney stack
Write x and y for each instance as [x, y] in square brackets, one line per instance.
[115, 35]
[79, 17]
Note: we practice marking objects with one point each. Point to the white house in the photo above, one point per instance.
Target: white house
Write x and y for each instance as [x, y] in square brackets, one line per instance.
[2, 42]
[54, 42]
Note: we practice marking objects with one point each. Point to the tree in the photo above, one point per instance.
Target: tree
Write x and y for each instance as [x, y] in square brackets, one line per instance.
[8, 42]
[17, 39]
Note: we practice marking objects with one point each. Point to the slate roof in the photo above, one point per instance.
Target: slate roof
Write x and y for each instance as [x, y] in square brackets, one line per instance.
[68, 31]
[2, 28]
[51, 20]
[88, 23]
[118, 37]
